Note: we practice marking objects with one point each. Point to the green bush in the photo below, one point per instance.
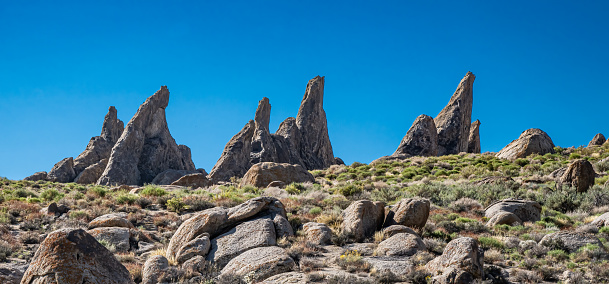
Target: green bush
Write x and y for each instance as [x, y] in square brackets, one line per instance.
[176, 205]
[488, 242]
[151, 190]
[315, 211]
[558, 255]
[295, 188]
[126, 198]
[348, 190]
[98, 190]
[51, 195]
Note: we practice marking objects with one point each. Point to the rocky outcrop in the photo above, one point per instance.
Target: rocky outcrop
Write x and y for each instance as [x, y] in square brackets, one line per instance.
[63, 171]
[100, 147]
[531, 141]
[170, 176]
[598, 140]
[453, 122]
[362, 219]
[116, 237]
[580, 174]
[504, 218]
[262, 174]
[525, 210]
[473, 143]
[421, 139]
[461, 260]
[302, 140]
[254, 223]
[146, 147]
[193, 181]
[91, 174]
[260, 263]
[73, 256]
[154, 269]
[37, 176]
[569, 241]
[410, 212]
[317, 233]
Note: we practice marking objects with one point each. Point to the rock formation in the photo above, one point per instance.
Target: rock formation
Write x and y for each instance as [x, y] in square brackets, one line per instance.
[63, 171]
[146, 147]
[461, 262]
[524, 210]
[363, 218]
[598, 140]
[302, 140]
[453, 122]
[262, 174]
[421, 139]
[410, 212]
[531, 141]
[580, 174]
[473, 144]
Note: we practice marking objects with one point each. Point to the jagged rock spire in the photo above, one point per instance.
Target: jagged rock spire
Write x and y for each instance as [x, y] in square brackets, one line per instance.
[421, 139]
[453, 122]
[473, 144]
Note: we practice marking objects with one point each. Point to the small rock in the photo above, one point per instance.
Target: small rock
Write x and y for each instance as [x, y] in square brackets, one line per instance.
[260, 263]
[193, 181]
[401, 244]
[154, 267]
[63, 171]
[197, 247]
[601, 221]
[504, 218]
[11, 273]
[397, 229]
[569, 241]
[527, 211]
[37, 176]
[276, 183]
[114, 236]
[317, 233]
[53, 208]
[111, 220]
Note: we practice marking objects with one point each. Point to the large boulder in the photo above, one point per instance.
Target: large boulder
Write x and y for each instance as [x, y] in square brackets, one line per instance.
[454, 121]
[462, 258]
[362, 219]
[252, 234]
[580, 174]
[598, 140]
[73, 256]
[193, 180]
[11, 273]
[421, 139]
[525, 210]
[473, 144]
[302, 140]
[260, 263]
[262, 174]
[146, 147]
[569, 241]
[170, 176]
[207, 221]
[116, 237]
[199, 246]
[63, 171]
[111, 220]
[504, 218]
[410, 212]
[531, 141]
[100, 147]
[91, 174]
[601, 221]
[37, 176]
[154, 268]
[401, 244]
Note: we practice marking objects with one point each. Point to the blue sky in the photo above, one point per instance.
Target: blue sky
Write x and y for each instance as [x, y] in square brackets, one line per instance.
[538, 64]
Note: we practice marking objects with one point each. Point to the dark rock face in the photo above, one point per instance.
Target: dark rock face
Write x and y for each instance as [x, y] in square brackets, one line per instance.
[100, 147]
[580, 174]
[302, 140]
[473, 144]
[91, 174]
[73, 256]
[598, 140]
[63, 171]
[146, 147]
[37, 176]
[453, 122]
[531, 141]
[421, 139]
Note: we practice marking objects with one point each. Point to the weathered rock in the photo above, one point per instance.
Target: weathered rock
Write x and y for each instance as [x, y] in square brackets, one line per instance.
[283, 228]
[197, 247]
[193, 180]
[115, 236]
[146, 147]
[558, 173]
[262, 174]
[260, 263]
[207, 221]
[287, 278]
[317, 233]
[569, 241]
[460, 255]
[410, 212]
[91, 174]
[195, 264]
[453, 275]
[111, 220]
[531, 141]
[401, 244]
[73, 256]
[57, 210]
[393, 269]
[525, 210]
[363, 218]
[37, 176]
[473, 143]
[63, 171]
[580, 174]
[170, 176]
[453, 122]
[504, 218]
[11, 273]
[397, 229]
[100, 147]
[598, 140]
[154, 267]
[276, 183]
[421, 139]
[302, 140]
[252, 234]
[255, 206]
[601, 221]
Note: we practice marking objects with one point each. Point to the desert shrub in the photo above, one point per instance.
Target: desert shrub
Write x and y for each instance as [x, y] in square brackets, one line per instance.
[315, 210]
[126, 198]
[251, 189]
[197, 203]
[386, 194]
[489, 242]
[78, 214]
[176, 205]
[99, 191]
[152, 190]
[522, 162]
[51, 195]
[352, 261]
[143, 202]
[465, 204]
[295, 188]
[348, 189]
[603, 166]
[564, 200]
[558, 255]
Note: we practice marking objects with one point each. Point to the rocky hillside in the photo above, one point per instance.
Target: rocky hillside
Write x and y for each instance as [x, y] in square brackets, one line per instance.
[280, 208]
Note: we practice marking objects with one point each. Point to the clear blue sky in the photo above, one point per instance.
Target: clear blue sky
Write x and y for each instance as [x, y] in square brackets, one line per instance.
[541, 64]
